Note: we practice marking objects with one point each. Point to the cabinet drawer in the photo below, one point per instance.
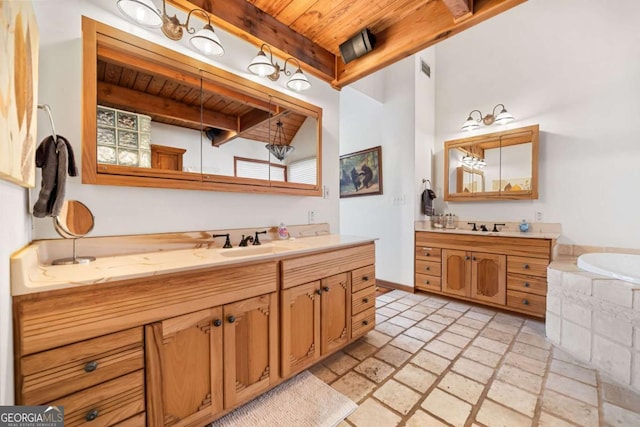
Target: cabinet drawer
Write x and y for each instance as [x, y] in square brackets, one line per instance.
[528, 266]
[363, 277]
[528, 284]
[363, 300]
[528, 303]
[305, 269]
[139, 420]
[105, 404]
[426, 282]
[65, 370]
[363, 322]
[428, 267]
[428, 253]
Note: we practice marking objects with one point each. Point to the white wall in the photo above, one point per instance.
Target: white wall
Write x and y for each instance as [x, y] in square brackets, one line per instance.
[366, 122]
[130, 210]
[572, 66]
[15, 232]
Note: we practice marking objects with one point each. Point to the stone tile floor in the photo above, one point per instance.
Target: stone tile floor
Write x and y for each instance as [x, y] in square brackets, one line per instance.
[433, 361]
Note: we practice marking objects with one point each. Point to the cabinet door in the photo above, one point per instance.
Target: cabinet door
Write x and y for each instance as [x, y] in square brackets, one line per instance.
[489, 277]
[300, 327]
[250, 348]
[336, 311]
[456, 272]
[184, 368]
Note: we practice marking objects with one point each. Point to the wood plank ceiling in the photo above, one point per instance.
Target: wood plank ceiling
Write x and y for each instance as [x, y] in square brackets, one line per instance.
[312, 30]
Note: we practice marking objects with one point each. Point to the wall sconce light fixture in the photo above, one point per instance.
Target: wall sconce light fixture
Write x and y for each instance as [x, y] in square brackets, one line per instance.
[473, 162]
[502, 118]
[145, 13]
[266, 67]
[279, 147]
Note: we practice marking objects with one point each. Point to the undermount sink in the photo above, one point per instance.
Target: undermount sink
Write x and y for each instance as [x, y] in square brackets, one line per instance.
[250, 251]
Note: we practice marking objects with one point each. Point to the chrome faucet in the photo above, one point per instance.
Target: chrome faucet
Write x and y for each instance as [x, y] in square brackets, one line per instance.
[256, 240]
[245, 240]
[227, 243]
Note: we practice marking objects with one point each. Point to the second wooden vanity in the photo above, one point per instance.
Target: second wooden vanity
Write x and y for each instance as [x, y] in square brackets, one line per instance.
[505, 272]
[184, 348]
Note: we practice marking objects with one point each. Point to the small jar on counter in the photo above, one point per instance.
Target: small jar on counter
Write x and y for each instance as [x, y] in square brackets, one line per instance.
[451, 221]
[437, 221]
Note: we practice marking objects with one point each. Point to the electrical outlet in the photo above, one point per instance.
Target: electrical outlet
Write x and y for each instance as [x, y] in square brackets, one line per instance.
[538, 216]
[312, 217]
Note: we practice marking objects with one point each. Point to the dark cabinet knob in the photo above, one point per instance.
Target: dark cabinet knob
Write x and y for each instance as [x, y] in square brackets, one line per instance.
[326, 289]
[427, 268]
[365, 278]
[91, 366]
[466, 258]
[526, 284]
[426, 282]
[525, 266]
[231, 319]
[525, 302]
[217, 323]
[318, 291]
[365, 322]
[427, 254]
[91, 415]
[474, 258]
[365, 300]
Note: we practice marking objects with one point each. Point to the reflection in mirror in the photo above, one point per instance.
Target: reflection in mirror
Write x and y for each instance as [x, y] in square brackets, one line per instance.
[74, 221]
[500, 165]
[163, 119]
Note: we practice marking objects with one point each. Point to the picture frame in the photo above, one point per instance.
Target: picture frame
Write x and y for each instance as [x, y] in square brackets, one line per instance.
[361, 173]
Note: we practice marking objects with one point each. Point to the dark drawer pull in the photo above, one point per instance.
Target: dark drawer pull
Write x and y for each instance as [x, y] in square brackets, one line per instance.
[526, 284]
[426, 282]
[326, 289]
[231, 319]
[427, 254]
[427, 268]
[365, 278]
[474, 258]
[217, 323]
[365, 322]
[365, 300]
[319, 291]
[91, 415]
[525, 302]
[466, 258]
[91, 366]
[526, 266]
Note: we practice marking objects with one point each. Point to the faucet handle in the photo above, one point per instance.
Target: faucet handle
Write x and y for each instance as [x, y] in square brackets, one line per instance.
[474, 226]
[227, 243]
[495, 227]
[256, 240]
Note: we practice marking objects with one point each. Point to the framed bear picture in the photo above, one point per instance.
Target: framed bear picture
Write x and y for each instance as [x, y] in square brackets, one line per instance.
[361, 173]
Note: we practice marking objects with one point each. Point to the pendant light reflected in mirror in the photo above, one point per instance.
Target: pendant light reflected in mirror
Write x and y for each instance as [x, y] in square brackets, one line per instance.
[279, 147]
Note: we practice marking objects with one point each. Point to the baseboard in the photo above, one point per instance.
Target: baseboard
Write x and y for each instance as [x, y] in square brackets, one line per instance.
[393, 285]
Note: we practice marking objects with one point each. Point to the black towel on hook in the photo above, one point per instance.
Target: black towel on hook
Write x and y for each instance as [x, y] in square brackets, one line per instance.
[427, 202]
[55, 157]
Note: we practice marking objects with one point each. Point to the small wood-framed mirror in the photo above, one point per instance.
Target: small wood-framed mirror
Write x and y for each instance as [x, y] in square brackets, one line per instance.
[496, 166]
[74, 221]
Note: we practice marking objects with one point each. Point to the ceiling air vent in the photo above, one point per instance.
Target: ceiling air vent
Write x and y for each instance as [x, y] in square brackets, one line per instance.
[425, 68]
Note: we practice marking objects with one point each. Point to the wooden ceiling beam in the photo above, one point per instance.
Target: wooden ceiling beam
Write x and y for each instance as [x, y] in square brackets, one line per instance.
[428, 25]
[244, 20]
[162, 108]
[460, 9]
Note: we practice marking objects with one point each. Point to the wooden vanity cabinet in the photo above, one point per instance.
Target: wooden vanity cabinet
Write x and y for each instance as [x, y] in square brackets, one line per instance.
[317, 314]
[505, 272]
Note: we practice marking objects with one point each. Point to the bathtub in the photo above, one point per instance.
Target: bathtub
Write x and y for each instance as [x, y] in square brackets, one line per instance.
[620, 266]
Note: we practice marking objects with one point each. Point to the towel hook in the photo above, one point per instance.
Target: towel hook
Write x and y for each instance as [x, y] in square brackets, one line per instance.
[47, 108]
[425, 182]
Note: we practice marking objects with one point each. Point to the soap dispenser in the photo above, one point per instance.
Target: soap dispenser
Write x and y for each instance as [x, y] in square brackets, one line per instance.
[282, 231]
[524, 226]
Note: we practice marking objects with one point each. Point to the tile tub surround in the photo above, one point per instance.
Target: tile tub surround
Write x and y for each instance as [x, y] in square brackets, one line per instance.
[596, 319]
[461, 364]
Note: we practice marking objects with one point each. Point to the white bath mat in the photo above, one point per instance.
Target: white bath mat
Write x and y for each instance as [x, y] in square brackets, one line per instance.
[302, 401]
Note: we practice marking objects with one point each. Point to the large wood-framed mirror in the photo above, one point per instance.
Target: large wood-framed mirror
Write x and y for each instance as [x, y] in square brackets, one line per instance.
[496, 166]
[154, 117]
